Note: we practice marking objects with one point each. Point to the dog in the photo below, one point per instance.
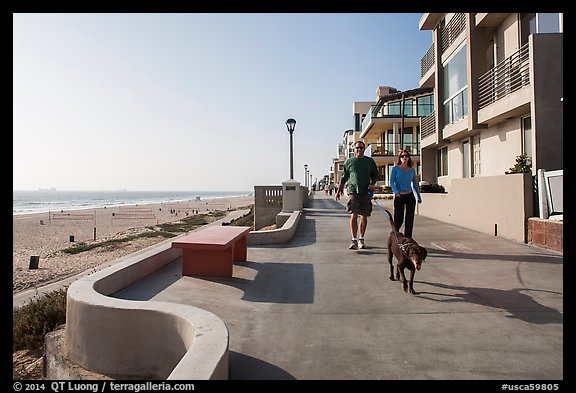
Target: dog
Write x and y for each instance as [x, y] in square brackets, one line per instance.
[409, 254]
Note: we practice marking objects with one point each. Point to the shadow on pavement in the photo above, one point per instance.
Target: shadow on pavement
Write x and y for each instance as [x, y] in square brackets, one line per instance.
[518, 304]
[540, 258]
[244, 367]
[287, 283]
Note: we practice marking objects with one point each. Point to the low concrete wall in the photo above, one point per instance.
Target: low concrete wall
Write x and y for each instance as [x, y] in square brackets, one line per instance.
[279, 235]
[498, 205]
[119, 338]
[131, 339]
[267, 203]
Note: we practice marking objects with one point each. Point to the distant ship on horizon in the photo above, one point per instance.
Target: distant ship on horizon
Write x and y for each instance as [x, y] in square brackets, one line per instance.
[47, 189]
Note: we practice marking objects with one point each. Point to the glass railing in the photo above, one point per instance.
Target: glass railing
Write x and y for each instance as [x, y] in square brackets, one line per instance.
[393, 110]
[367, 118]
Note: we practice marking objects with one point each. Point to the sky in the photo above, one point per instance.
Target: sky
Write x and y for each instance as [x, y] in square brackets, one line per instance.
[196, 102]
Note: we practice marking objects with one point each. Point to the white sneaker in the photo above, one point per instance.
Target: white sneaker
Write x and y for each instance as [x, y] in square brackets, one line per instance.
[361, 243]
[353, 245]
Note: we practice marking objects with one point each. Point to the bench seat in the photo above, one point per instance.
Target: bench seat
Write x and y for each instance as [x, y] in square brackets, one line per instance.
[212, 251]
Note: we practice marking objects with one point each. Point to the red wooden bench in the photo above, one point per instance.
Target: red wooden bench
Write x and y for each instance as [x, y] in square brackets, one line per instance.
[212, 251]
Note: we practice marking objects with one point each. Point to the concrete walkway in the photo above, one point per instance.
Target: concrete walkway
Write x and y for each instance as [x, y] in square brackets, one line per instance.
[488, 308]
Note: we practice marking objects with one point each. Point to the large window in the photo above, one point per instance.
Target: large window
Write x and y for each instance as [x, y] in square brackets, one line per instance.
[393, 108]
[425, 105]
[408, 139]
[409, 107]
[455, 88]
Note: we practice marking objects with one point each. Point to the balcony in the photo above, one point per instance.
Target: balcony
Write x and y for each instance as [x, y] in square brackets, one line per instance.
[392, 149]
[429, 21]
[500, 90]
[427, 68]
[428, 130]
[452, 30]
[383, 117]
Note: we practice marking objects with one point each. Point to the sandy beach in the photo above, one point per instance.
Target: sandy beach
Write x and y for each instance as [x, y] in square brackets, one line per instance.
[46, 235]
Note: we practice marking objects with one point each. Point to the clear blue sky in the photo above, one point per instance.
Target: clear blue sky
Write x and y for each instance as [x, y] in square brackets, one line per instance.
[195, 101]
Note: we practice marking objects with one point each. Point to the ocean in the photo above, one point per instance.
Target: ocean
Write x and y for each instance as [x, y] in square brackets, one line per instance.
[42, 201]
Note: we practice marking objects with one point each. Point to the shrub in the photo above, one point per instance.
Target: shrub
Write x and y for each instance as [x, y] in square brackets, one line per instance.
[521, 166]
[32, 321]
[434, 188]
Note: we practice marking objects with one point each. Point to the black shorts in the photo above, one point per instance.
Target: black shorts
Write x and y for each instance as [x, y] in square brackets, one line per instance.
[360, 203]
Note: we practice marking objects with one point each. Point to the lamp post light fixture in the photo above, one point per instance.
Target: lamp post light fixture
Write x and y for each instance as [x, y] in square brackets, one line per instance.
[291, 124]
[305, 175]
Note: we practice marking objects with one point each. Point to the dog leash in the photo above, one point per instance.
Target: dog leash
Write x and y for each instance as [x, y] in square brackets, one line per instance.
[386, 212]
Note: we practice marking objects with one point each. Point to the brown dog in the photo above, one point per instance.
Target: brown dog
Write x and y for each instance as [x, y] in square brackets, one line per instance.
[409, 254]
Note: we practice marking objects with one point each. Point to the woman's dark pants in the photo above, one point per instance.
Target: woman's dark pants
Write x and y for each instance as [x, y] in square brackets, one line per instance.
[405, 202]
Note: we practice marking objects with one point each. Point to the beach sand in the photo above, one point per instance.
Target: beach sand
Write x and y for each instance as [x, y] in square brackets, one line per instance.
[46, 235]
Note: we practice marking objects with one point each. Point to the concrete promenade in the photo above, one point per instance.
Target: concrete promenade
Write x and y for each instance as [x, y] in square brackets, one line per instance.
[488, 308]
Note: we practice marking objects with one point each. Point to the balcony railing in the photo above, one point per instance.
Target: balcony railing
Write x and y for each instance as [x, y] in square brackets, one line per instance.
[427, 61]
[392, 149]
[509, 75]
[452, 30]
[428, 125]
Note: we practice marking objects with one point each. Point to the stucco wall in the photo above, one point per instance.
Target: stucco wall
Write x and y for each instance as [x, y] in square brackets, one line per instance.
[488, 204]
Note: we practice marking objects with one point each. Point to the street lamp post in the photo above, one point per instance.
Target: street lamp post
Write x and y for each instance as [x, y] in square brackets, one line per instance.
[305, 175]
[291, 124]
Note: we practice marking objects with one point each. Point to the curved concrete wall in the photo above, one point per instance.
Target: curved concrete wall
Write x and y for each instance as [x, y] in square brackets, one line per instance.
[152, 340]
[279, 235]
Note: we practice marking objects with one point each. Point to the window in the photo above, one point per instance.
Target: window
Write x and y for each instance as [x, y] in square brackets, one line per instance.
[382, 173]
[442, 161]
[527, 137]
[455, 88]
[357, 122]
[425, 105]
[408, 142]
[409, 107]
[466, 158]
[394, 108]
[390, 141]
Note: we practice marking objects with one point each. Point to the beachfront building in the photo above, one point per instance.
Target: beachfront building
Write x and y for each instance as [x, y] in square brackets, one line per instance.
[345, 149]
[392, 123]
[497, 80]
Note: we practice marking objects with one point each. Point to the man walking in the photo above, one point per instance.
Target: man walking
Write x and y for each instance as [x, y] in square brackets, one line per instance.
[361, 174]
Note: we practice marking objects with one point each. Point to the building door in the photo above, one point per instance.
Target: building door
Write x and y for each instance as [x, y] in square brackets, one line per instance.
[466, 163]
[476, 155]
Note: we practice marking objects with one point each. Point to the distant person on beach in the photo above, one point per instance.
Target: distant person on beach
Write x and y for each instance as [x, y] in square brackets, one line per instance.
[361, 174]
[404, 185]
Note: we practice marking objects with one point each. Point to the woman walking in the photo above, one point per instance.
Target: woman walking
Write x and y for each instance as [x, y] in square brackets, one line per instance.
[404, 185]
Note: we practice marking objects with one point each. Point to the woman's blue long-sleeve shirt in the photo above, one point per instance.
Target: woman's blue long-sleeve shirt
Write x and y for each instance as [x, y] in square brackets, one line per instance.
[401, 180]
